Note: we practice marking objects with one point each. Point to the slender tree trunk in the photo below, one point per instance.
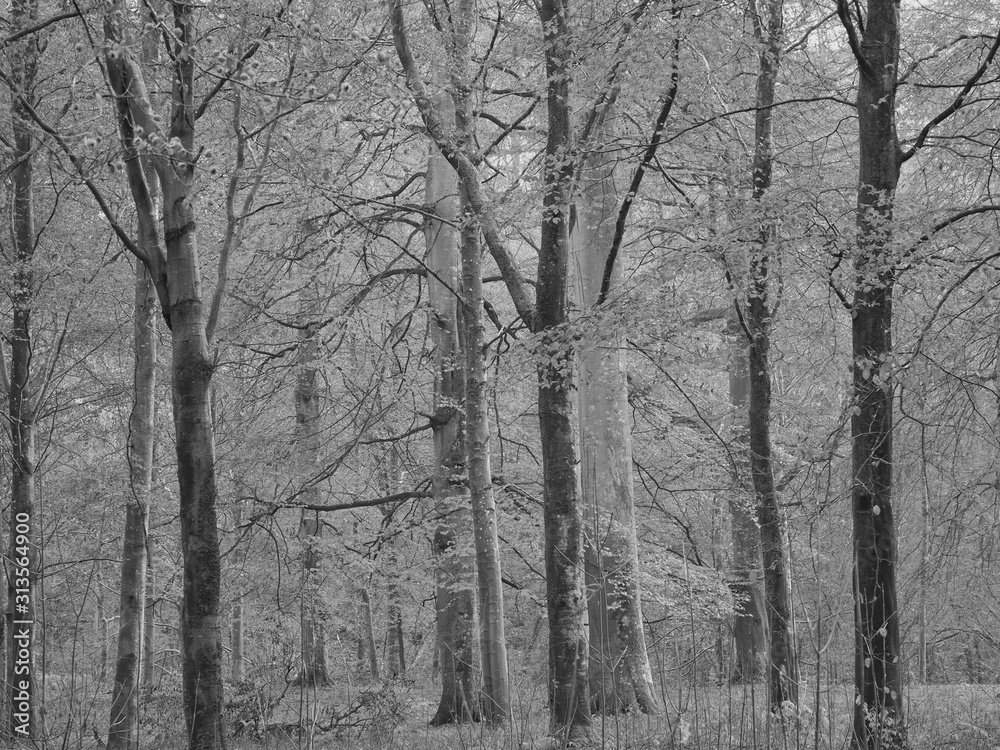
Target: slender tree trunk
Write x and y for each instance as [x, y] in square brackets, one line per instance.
[307, 439]
[455, 598]
[237, 660]
[783, 669]
[748, 620]
[566, 601]
[878, 710]
[124, 726]
[492, 638]
[23, 553]
[620, 675]
[149, 623]
[191, 370]
[395, 657]
[368, 642]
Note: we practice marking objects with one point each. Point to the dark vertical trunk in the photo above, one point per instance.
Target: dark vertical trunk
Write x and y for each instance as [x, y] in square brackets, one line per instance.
[124, 727]
[458, 650]
[782, 671]
[748, 616]
[22, 551]
[878, 713]
[191, 369]
[307, 450]
[367, 642]
[569, 693]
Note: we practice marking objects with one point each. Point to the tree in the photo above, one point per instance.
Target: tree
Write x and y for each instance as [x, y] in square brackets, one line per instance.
[492, 638]
[308, 403]
[23, 55]
[620, 675]
[760, 310]
[174, 268]
[124, 726]
[457, 616]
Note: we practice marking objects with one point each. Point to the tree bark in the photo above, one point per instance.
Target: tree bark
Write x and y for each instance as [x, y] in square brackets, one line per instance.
[455, 599]
[620, 675]
[22, 551]
[395, 657]
[191, 370]
[177, 277]
[307, 439]
[124, 725]
[367, 643]
[748, 621]
[878, 710]
[492, 638]
[782, 668]
[148, 661]
[569, 693]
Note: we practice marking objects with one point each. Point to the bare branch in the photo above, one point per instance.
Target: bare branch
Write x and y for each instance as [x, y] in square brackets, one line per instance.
[38, 27]
[640, 171]
[396, 498]
[520, 292]
[955, 105]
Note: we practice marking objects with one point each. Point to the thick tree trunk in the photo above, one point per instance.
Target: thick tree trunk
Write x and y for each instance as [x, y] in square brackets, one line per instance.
[124, 727]
[191, 370]
[783, 669]
[878, 712]
[22, 550]
[569, 693]
[455, 599]
[748, 621]
[620, 675]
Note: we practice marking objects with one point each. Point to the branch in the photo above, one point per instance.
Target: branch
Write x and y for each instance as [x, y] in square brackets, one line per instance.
[852, 39]
[955, 105]
[520, 292]
[806, 34]
[945, 223]
[640, 171]
[398, 497]
[38, 27]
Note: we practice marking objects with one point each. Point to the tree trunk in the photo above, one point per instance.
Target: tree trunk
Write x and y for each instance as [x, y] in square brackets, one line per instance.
[878, 711]
[191, 370]
[149, 623]
[395, 656]
[564, 559]
[22, 551]
[783, 670]
[620, 675]
[307, 440]
[455, 600]
[237, 660]
[124, 726]
[748, 620]
[492, 638]
[368, 642]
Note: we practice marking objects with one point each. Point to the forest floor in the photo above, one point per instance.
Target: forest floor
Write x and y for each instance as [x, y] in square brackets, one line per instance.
[939, 717]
